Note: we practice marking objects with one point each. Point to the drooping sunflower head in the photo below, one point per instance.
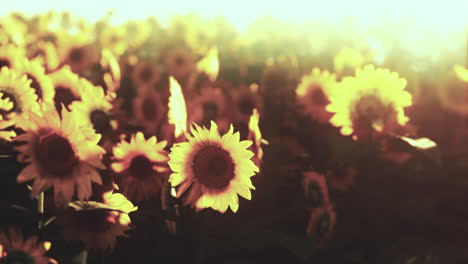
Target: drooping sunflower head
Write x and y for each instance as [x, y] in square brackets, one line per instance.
[149, 109]
[40, 82]
[216, 167]
[14, 248]
[67, 88]
[10, 55]
[372, 101]
[17, 89]
[62, 153]
[315, 189]
[321, 225]
[141, 164]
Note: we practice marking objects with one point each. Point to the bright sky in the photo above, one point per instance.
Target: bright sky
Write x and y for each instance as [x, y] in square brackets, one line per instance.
[442, 16]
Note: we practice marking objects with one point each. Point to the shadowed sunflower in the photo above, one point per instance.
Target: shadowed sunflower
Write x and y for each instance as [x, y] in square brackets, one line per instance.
[15, 249]
[209, 105]
[141, 164]
[94, 109]
[62, 153]
[245, 101]
[40, 82]
[5, 106]
[370, 103]
[18, 90]
[216, 167]
[313, 92]
[78, 53]
[179, 63]
[10, 55]
[315, 189]
[67, 88]
[46, 53]
[148, 109]
[321, 225]
[98, 224]
[145, 73]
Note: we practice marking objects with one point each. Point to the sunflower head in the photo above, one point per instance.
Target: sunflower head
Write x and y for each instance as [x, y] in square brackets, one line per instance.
[46, 53]
[145, 73]
[10, 55]
[179, 63]
[216, 167]
[5, 106]
[67, 86]
[371, 102]
[209, 105]
[14, 248]
[40, 82]
[17, 88]
[148, 109]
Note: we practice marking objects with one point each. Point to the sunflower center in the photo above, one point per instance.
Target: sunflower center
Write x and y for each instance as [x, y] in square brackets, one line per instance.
[76, 54]
[13, 100]
[213, 167]
[56, 155]
[101, 121]
[246, 105]
[17, 256]
[210, 112]
[5, 63]
[146, 74]
[323, 225]
[150, 109]
[94, 221]
[63, 95]
[35, 85]
[141, 167]
[179, 60]
[314, 196]
[318, 97]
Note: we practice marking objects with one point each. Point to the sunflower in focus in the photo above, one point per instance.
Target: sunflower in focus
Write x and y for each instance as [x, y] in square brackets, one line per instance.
[15, 249]
[321, 224]
[98, 224]
[216, 167]
[315, 189]
[10, 55]
[370, 102]
[313, 93]
[94, 109]
[5, 106]
[179, 63]
[18, 90]
[40, 82]
[149, 109]
[145, 73]
[67, 86]
[209, 105]
[61, 152]
[141, 164]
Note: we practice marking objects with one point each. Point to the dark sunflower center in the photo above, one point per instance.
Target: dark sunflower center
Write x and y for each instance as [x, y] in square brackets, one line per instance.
[314, 196]
[213, 167]
[16, 107]
[146, 74]
[370, 109]
[5, 63]
[17, 256]
[246, 105]
[210, 112]
[63, 95]
[94, 221]
[141, 167]
[318, 97]
[150, 109]
[56, 155]
[35, 85]
[179, 60]
[323, 225]
[101, 121]
[76, 54]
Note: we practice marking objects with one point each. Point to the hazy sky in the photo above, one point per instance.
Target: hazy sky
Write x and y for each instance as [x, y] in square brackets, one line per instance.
[447, 15]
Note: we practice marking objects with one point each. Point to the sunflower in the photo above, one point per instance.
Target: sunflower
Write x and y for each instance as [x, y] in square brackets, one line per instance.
[113, 39]
[5, 106]
[10, 55]
[321, 224]
[46, 53]
[313, 93]
[18, 90]
[94, 109]
[216, 167]
[149, 109]
[370, 102]
[67, 86]
[15, 249]
[62, 153]
[179, 63]
[255, 136]
[98, 224]
[78, 53]
[245, 100]
[209, 105]
[40, 82]
[141, 163]
[348, 59]
[315, 189]
[145, 73]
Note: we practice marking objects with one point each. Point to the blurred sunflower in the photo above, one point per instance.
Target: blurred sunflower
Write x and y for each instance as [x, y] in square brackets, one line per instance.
[141, 164]
[321, 225]
[370, 102]
[67, 86]
[5, 106]
[216, 167]
[209, 105]
[113, 39]
[46, 53]
[145, 73]
[40, 82]
[179, 62]
[313, 93]
[10, 55]
[347, 60]
[148, 109]
[61, 152]
[97, 224]
[15, 249]
[255, 136]
[94, 109]
[18, 90]
[78, 53]
[245, 100]
[315, 189]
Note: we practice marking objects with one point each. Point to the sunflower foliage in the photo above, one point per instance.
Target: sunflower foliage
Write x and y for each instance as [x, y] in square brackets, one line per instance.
[193, 142]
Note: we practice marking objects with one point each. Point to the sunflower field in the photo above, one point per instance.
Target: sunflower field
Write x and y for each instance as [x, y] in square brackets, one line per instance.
[193, 142]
